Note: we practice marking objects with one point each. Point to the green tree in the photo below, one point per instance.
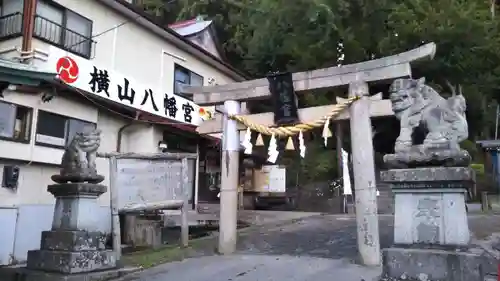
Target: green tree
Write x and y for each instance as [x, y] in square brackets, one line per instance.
[274, 35]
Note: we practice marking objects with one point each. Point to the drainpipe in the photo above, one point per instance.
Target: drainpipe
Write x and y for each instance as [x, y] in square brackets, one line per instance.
[28, 26]
[121, 130]
[120, 134]
[115, 215]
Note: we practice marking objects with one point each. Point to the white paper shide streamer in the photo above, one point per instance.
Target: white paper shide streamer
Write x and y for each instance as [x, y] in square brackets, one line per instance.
[346, 176]
[302, 147]
[273, 150]
[246, 143]
[326, 131]
[345, 173]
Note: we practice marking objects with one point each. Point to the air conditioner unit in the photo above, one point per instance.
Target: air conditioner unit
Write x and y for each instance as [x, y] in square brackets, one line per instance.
[211, 81]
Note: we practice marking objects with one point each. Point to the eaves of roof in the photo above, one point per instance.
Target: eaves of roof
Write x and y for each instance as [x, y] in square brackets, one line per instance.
[151, 23]
[19, 73]
[145, 116]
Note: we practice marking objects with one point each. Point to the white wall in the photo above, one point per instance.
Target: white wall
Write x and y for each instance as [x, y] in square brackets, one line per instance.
[32, 204]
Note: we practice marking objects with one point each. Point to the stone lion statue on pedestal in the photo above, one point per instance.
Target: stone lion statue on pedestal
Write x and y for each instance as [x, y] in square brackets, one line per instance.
[79, 159]
[432, 127]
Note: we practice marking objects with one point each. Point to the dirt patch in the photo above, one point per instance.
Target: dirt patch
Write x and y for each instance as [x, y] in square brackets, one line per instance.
[483, 226]
[152, 257]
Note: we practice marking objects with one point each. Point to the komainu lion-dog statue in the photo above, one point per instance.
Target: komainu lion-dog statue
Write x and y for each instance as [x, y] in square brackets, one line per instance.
[79, 158]
[432, 127]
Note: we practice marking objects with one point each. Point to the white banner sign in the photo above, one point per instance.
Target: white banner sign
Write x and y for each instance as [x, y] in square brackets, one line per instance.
[111, 85]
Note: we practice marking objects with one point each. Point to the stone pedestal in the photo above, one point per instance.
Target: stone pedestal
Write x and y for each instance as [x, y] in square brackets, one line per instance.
[431, 232]
[73, 245]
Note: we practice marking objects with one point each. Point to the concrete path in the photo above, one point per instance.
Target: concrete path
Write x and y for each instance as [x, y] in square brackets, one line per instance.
[315, 248]
[259, 268]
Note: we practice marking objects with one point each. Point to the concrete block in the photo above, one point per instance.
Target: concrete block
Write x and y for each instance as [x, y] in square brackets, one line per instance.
[70, 262]
[431, 218]
[431, 265]
[424, 177]
[430, 205]
[73, 241]
[75, 205]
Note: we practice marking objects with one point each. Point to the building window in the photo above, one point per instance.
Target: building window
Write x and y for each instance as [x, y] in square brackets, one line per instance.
[11, 19]
[53, 24]
[12, 6]
[57, 130]
[64, 28]
[183, 76]
[15, 122]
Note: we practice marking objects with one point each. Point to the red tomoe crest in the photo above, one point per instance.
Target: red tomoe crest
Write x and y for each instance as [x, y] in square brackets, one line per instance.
[67, 69]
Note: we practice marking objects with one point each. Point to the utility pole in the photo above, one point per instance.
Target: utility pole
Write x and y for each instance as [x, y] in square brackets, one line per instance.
[364, 176]
[496, 121]
[492, 11]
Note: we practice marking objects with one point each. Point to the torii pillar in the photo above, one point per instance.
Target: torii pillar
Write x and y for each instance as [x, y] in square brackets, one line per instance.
[364, 180]
[229, 181]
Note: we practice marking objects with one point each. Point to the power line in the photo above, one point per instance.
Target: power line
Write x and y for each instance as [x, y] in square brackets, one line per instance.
[114, 27]
[105, 31]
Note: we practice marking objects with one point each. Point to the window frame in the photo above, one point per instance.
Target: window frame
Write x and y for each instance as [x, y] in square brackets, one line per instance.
[2, 10]
[190, 74]
[61, 41]
[11, 24]
[29, 125]
[66, 129]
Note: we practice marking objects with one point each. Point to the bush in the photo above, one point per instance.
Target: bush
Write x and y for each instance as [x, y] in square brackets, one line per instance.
[479, 168]
[473, 150]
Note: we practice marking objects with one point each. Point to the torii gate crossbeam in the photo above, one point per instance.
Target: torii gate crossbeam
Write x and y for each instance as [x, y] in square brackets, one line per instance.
[386, 68]
[356, 76]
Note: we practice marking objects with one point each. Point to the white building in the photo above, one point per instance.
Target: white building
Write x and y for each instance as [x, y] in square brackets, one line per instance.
[101, 49]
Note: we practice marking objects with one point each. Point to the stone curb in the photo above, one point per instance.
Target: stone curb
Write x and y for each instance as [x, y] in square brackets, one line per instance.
[14, 274]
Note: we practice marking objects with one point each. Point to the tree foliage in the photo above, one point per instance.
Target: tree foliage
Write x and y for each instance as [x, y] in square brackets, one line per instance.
[282, 35]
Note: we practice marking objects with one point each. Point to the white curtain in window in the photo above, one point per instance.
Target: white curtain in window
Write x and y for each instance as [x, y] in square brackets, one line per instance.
[79, 30]
[7, 119]
[48, 23]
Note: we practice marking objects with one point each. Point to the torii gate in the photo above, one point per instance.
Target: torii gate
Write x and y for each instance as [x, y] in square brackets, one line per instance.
[356, 76]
